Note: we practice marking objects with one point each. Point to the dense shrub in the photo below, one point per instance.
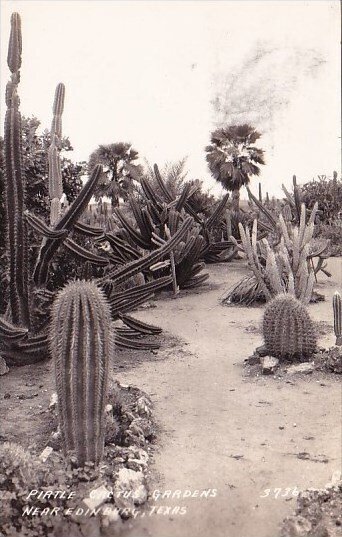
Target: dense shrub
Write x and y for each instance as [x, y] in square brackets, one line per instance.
[328, 194]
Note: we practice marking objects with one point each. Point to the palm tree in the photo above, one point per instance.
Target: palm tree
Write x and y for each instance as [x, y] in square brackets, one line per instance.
[232, 158]
[119, 170]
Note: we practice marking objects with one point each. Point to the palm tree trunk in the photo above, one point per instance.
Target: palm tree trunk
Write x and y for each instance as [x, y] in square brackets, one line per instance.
[236, 200]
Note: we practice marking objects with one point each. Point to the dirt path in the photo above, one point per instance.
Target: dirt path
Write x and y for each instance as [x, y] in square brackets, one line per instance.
[227, 432]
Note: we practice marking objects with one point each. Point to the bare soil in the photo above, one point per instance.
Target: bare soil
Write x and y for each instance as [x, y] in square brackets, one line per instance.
[242, 437]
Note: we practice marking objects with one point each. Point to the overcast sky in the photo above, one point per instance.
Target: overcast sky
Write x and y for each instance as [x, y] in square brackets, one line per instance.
[163, 74]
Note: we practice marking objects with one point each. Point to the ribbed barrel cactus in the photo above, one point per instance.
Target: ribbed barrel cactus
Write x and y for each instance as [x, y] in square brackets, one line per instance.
[288, 329]
[81, 344]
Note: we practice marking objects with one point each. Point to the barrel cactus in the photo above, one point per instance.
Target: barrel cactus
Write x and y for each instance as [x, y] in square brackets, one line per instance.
[81, 344]
[288, 329]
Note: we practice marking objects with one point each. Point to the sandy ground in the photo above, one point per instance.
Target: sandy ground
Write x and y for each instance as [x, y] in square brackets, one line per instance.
[219, 429]
[222, 430]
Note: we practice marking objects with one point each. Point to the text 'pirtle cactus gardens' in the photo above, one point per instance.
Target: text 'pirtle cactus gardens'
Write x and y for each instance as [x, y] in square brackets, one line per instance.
[81, 345]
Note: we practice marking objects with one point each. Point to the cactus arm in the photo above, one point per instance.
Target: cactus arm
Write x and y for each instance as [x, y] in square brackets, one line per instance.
[89, 231]
[120, 246]
[149, 192]
[183, 197]
[9, 331]
[122, 342]
[50, 246]
[140, 326]
[134, 234]
[217, 213]
[38, 225]
[83, 253]
[120, 274]
[263, 209]
[161, 184]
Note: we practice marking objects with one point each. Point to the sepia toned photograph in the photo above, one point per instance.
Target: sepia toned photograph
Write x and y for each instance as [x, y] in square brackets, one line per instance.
[171, 268]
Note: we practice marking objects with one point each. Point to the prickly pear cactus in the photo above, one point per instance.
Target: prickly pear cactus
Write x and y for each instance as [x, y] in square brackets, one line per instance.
[288, 329]
[81, 344]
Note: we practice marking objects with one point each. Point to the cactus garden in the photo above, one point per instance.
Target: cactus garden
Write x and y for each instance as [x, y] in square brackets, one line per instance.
[171, 346]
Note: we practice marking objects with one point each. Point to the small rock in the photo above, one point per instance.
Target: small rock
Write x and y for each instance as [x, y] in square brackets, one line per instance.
[55, 440]
[335, 479]
[108, 409]
[53, 401]
[45, 454]
[253, 360]
[306, 368]
[3, 366]
[262, 351]
[97, 497]
[269, 364]
[129, 488]
[296, 527]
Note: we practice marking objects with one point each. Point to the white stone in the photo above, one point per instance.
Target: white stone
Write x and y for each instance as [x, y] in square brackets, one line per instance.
[132, 483]
[45, 454]
[97, 497]
[268, 364]
[305, 367]
[53, 401]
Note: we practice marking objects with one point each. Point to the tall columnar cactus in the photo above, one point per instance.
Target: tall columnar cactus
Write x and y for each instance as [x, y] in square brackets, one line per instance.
[55, 173]
[15, 185]
[337, 318]
[288, 329]
[81, 345]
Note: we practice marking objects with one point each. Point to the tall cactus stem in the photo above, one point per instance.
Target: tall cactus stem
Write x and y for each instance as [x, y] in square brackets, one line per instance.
[15, 185]
[337, 308]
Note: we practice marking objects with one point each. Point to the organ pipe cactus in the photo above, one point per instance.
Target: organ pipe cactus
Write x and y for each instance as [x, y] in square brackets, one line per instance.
[288, 329]
[337, 318]
[81, 345]
[15, 186]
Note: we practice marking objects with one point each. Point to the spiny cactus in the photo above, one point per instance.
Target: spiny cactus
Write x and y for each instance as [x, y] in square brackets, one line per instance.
[337, 318]
[15, 185]
[288, 329]
[55, 173]
[81, 344]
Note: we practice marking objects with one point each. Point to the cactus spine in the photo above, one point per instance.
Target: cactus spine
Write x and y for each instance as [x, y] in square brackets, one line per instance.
[15, 184]
[81, 346]
[288, 329]
[337, 318]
